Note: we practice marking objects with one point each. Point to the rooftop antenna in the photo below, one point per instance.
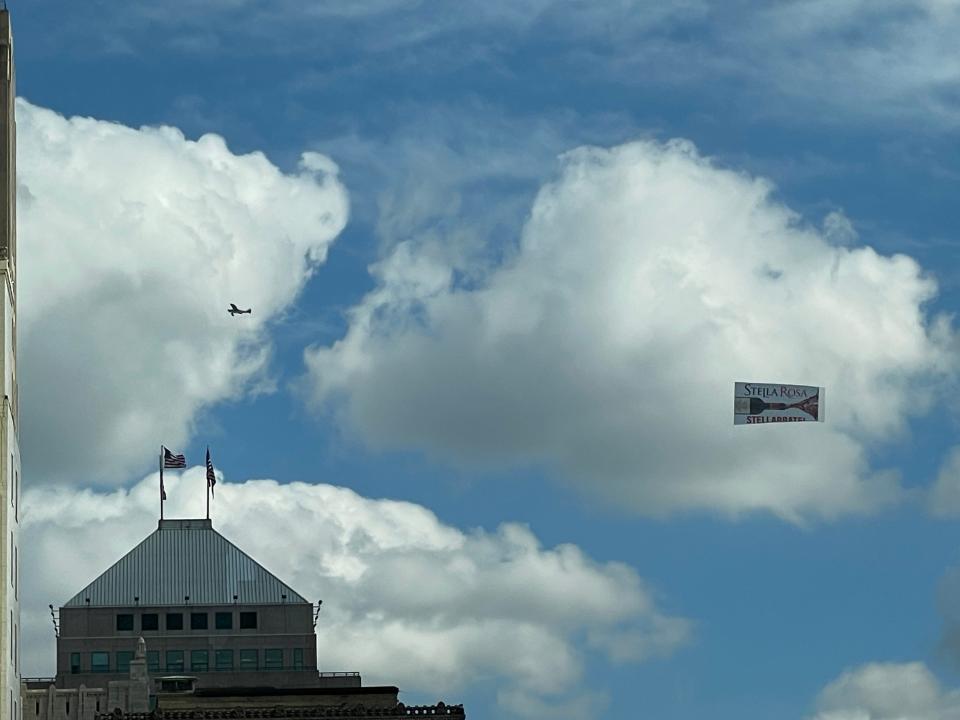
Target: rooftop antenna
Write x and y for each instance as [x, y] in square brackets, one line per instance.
[53, 615]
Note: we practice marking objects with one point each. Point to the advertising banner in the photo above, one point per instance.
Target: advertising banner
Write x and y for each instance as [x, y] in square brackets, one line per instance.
[758, 403]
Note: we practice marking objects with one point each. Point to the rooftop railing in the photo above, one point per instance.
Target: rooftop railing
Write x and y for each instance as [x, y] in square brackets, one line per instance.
[325, 711]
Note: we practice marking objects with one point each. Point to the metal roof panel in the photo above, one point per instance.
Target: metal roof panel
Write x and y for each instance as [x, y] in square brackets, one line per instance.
[184, 558]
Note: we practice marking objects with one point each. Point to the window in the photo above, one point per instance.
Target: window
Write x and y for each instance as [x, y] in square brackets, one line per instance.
[224, 659]
[174, 660]
[273, 659]
[125, 621]
[99, 662]
[153, 660]
[149, 621]
[174, 621]
[248, 659]
[74, 663]
[199, 660]
[123, 660]
[248, 621]
[224, 620]
[298, 658]
[198, 621]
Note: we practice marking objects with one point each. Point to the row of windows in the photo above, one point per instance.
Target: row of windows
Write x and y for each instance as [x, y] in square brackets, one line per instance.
[198, 621]
[175, 660]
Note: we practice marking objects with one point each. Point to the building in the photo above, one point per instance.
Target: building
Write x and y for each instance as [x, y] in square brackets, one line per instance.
[204, 608]
[9, 443]
[187, 622]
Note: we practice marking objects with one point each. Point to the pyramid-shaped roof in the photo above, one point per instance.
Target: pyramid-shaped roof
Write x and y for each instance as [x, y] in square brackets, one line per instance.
[184, 558]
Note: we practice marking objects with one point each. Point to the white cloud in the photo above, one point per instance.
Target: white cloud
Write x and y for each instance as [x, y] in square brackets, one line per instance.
[805, 61]
[944, 497]
[859, 57]
[887, 691]
[132, 243]
[408, 600]
[585, 706]
[646, 282]
[838, 229]
[460, 170]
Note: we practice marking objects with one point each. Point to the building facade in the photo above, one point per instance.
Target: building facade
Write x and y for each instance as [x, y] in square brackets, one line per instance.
[9, 443]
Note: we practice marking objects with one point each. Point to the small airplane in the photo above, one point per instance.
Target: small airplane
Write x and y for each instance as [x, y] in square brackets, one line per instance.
[234, 310]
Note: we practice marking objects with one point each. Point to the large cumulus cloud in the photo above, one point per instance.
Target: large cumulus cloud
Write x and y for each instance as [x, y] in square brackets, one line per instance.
[407, 599]
[132, 243]
[645, 282]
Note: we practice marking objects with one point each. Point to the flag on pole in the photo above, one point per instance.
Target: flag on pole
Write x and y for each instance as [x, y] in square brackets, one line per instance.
[163, 490]
[173, 461]
[211, 477]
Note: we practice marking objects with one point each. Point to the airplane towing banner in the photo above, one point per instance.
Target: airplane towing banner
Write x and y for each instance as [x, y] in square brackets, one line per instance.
[759, 403]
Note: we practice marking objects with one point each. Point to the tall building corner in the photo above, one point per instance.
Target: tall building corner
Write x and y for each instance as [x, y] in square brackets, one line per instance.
[10, 704]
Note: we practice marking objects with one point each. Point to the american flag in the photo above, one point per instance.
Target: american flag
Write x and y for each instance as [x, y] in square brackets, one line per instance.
[173, 461]
[211, 478]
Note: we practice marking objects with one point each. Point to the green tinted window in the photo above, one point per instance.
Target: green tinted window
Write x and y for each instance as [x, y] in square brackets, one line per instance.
[273, 659]
[123, 660]
[100, 662]
[248, 659]
[74, 662]
[224, 659]
[199, 660]
[174, 660]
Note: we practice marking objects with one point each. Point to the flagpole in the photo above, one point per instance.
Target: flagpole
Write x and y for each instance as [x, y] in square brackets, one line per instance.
[161, 482]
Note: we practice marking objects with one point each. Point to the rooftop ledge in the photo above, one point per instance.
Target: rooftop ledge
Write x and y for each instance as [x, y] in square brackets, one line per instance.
[186, 524]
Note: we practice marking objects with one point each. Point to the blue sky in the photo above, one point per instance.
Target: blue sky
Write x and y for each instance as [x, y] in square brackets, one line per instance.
[506, 260]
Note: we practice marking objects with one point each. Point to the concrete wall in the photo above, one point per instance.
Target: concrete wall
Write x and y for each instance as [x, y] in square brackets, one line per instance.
[83, 703]
[53, 704]
[285, 627]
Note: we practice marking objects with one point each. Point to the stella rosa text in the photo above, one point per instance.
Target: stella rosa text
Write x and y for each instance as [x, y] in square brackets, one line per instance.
[793, 392]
